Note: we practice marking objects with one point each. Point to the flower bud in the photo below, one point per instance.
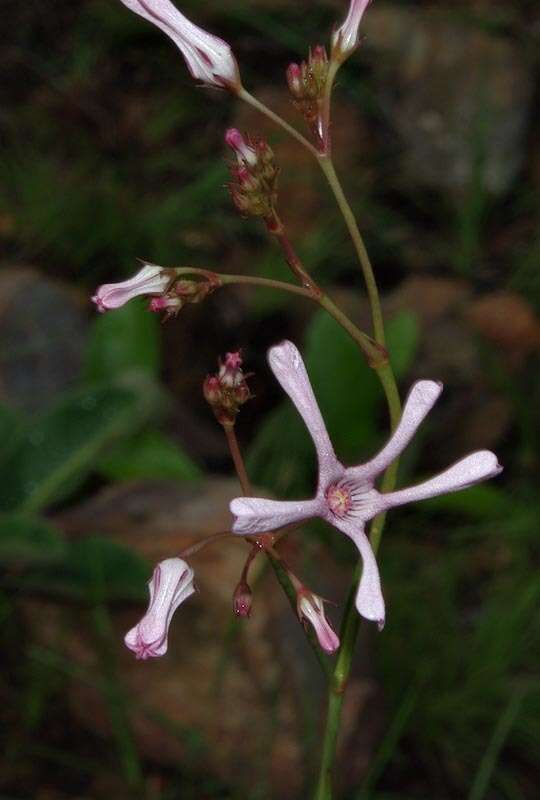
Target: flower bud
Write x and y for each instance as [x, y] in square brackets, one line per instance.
[209, 58]
[311, 610]
[170, 585]
[307, 84]
[242, 599]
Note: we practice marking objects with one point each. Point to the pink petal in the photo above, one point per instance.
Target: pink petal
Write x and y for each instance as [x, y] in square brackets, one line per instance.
[369, 598]
[257, 515]
[346, 36]
[288, 367]
[470, 470]
[147, 281]
[419, 403]
[208, 57]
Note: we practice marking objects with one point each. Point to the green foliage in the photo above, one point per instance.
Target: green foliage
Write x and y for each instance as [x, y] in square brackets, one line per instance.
[149, 454]
[58, 449]
[124, 340]
[27, 541]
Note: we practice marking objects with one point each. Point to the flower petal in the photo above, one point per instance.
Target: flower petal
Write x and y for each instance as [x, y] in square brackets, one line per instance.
[369, 598]
[257, 515]
[311, 608]
[346, 36]
[287, 365]
[470, 470]
[419, 403]
[208, 57]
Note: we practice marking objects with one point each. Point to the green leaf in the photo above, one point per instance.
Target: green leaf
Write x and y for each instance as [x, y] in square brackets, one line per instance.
[27, 541]
[124, 340]
[479, 502]
[10, 430]
[97, 569]
[60, 448]
[149, 454]
[403, 335]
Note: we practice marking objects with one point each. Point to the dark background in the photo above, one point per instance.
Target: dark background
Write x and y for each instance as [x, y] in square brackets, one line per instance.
[110, 460]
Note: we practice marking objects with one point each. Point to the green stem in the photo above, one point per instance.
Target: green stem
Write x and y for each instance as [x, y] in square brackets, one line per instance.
[350, 623]
[325, 163]
[252, 101]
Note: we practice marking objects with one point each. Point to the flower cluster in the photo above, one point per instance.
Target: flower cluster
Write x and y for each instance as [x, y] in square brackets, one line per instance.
[254, 175]
[307, 83]
[227, 391]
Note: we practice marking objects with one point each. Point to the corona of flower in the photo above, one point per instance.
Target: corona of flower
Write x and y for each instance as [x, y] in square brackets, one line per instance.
[346, 496]
[150, 280]
[209, 58]
[170, 585]
[345, 38]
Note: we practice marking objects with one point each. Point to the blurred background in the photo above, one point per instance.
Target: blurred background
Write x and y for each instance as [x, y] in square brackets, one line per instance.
[110, 460]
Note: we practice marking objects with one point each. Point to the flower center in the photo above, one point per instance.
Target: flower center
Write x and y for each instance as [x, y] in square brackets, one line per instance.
[339, 499]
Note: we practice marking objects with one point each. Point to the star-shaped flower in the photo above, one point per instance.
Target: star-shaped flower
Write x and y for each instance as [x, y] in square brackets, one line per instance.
[346, 496]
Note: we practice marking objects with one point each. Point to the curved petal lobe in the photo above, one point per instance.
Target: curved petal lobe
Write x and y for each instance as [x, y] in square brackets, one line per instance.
[258, 515]
[369, 598]
[288, 367]
[470, 470]
[419, 403]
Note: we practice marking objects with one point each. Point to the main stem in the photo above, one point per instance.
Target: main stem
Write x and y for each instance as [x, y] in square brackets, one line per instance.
[383, 368]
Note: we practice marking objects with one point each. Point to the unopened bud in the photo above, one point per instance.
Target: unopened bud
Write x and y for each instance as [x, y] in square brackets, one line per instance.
[311, 610]
[212, 390]
[294, 80]
[242, 599]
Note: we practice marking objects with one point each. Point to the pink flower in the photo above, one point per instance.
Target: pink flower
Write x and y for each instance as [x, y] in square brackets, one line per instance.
[345, 38]
[311, 609]
[346, 496]
[170, 585]
[150, 280]
[209, 58]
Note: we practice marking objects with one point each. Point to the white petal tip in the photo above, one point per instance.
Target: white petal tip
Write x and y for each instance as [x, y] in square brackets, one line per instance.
[427, 391]
[284, 354]
[380, 624]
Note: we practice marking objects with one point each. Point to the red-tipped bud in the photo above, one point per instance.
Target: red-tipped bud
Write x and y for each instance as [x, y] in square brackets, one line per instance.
[294, 80]
[212, 390]
[242, 599]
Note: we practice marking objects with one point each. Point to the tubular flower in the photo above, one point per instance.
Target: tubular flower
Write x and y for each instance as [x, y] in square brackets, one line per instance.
[170, 585]
[150, 280]
[345, 38]
[346, 496]
[209, 58]
[311, 609]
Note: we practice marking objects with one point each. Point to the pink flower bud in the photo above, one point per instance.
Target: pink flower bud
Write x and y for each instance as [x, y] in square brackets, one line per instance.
[171, 305]
[212, 390]
[170, 585]
[345, 38]
[294, 79]
[149, 280]
[209, 58]
[242, 600]
[244, 152]
[311, 609]
[230, 371]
